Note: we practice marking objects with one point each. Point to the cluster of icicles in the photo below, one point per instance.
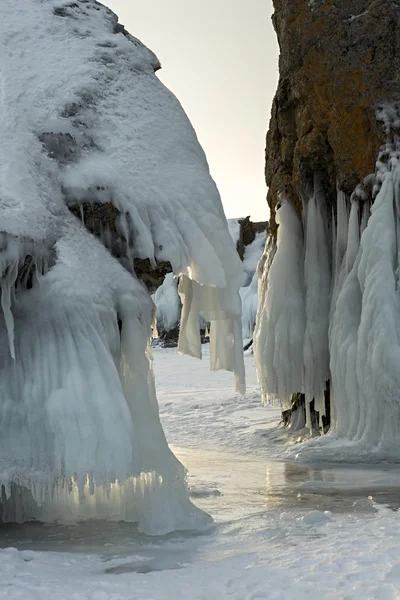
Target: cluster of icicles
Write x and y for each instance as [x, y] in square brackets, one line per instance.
[330, 309]
[81, 435]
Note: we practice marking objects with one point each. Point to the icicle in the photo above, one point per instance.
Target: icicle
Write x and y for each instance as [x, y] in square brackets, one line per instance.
[261, 327]
[333, 249]
[318, 283]
[280, 334]
[342, 228]
[353, 236]
[365, 216]
[7, 285]
[8, 316]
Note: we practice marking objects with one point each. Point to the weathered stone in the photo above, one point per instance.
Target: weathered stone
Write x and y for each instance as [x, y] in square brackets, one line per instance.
[248, 232]
[339, 61]
[101, 219]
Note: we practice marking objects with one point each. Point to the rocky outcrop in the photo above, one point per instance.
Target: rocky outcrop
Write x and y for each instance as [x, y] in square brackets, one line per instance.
[248, 232]
[339, 63]
[336, 109]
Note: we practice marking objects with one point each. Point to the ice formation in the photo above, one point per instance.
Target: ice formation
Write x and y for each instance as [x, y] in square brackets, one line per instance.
[249, 291]
[279, 336]
[168, 304]
[349, 304]
[317, 279]
[87, 126]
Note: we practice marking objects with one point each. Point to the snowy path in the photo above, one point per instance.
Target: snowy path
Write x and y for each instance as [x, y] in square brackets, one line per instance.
[281, 531]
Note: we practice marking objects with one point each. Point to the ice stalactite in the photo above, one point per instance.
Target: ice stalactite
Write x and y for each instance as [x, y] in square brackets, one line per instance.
[355, 312]
[317, 276]
[279, 337]
[81, 435]
[7, 312]
[217, 306]
[262, 320]
[345, 318]
[249, 293]
[378, 346]
[341, 230]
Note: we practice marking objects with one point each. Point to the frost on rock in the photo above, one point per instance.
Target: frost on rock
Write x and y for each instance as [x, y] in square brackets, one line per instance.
[88, 129]
[352, 308]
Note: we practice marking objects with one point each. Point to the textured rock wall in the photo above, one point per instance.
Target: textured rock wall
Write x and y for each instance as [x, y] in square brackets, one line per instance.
[339, 61]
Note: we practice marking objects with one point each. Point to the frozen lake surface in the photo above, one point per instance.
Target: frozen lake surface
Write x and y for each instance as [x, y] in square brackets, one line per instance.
[282, 529]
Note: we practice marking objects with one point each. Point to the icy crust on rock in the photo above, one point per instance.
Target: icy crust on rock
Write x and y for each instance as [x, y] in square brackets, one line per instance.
[84, 119]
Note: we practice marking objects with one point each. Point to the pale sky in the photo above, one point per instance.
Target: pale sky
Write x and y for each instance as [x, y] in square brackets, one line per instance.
[220, 58]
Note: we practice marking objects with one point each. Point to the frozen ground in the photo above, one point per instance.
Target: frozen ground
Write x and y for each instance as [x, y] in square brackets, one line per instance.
[282, 529]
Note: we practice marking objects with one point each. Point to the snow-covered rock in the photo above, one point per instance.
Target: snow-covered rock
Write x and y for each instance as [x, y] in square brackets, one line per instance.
[86, 124]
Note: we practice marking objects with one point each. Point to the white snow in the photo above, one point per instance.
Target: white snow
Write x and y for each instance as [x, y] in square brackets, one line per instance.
[282, 530]
[83, 118]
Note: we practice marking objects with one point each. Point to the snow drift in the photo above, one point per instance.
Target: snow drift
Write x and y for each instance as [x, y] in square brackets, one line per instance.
[85, 122]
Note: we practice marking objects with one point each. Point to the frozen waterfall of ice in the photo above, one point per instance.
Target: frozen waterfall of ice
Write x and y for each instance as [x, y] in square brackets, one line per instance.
[356, 313]
[249, 291]
[279, 336]
[317, 278]
[84, 121]
[168, 305]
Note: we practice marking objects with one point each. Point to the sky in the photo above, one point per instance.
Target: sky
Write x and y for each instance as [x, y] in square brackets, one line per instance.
[220, 58]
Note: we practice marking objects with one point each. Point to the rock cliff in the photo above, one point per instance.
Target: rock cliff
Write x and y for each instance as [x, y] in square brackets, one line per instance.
[339, 62]
[333, 150]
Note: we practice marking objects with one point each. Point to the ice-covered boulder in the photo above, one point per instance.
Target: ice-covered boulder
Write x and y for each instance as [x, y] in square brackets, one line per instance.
[99, 168]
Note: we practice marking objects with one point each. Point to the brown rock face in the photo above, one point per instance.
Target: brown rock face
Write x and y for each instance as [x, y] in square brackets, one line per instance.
[340, 61]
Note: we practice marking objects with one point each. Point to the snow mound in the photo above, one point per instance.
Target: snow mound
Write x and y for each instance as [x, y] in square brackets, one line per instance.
[84, 121]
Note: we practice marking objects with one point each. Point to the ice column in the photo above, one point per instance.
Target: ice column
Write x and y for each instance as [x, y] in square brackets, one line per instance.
[317, 276]
[280, 331]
